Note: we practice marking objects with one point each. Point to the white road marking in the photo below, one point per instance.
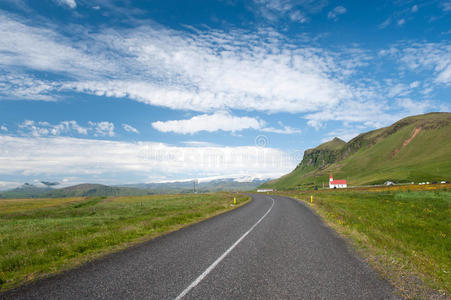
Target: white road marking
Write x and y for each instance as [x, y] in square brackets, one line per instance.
[213, 265]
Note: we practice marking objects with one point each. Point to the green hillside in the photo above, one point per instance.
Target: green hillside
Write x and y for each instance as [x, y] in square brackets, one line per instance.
[80, 190]
[414, 149]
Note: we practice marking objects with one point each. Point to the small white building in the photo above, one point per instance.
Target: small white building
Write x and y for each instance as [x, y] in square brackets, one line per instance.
[338, 183]
[265, 190]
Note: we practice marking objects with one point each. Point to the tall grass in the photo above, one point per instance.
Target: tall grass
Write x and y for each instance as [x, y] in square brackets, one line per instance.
[44, 236]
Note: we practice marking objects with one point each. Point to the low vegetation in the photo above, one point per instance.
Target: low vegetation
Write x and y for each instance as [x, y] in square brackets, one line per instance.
[404, 232]
[44, 236]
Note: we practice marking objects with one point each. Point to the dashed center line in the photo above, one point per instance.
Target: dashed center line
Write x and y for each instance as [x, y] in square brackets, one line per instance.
[217, 261]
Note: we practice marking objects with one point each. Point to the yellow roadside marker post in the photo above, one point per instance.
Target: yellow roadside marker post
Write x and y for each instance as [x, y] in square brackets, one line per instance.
[234, 200]
[311, 199]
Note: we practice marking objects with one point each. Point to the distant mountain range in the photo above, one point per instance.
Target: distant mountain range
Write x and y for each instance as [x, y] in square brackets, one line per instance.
[88, 190]
[218, 185]
[414, 149]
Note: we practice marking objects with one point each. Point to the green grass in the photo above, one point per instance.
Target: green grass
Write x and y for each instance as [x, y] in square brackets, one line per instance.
[44, 236]
[404, 234]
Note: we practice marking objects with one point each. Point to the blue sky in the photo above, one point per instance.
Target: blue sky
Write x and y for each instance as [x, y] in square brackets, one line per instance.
[143, 91]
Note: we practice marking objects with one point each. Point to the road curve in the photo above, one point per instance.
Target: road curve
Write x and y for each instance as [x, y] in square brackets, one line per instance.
[273, 247]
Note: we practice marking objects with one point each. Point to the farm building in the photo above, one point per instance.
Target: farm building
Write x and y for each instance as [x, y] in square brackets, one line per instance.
[337, 184]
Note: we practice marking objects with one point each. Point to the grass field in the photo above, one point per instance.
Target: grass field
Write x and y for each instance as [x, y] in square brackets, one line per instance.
[44, 236]
[404, 232]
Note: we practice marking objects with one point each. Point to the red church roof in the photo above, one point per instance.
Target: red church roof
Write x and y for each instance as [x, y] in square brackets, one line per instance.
[338, 181]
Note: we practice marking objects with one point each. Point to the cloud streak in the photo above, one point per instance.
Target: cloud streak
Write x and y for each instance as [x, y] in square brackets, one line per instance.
[219, 121]
[130, 128]
[210, 123]
[89, 159]
[334, 13]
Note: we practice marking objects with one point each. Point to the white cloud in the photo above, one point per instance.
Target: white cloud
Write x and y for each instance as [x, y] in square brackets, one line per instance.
[199, 144]
[446, 5]
[414, 8]
[129, 128]
[191, 72]
[94, 160]
[45, 50]
[294, 10]
[34, 128]
[298, 16]
[315, 123]
[67, 126]
[414, 107]
[210, 123]
[25, 87]
[398, 90]
[283, 130]
[37, 129]
[371, 114]
[428, 56]
[71, 3]
[219, 121]
[401, 22]
[334, 13]
[3, 128]
[385, 23]
[6, 185]
[102, 128]
[414, 84]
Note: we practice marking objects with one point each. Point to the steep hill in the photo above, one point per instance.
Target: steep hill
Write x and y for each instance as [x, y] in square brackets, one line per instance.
[416, 148]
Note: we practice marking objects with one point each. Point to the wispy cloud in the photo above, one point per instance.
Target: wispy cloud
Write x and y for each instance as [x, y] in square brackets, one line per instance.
[18, 86]
[446, 5]
[3, 128]
[282, 130]
[102, 128]
[43, 49]
[69, 3]
[385, 23]
[334, 13]
[129, 128]
[425, 57]
[41, 129]
[293, 10]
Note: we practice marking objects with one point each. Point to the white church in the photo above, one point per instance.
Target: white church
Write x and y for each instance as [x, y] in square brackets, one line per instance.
[338, 183]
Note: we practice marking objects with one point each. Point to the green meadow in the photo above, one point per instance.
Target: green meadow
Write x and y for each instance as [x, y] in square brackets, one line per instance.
[404, 232]
[39, 237]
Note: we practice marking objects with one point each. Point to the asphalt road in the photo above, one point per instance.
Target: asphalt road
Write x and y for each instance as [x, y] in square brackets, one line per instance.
[272, 248]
